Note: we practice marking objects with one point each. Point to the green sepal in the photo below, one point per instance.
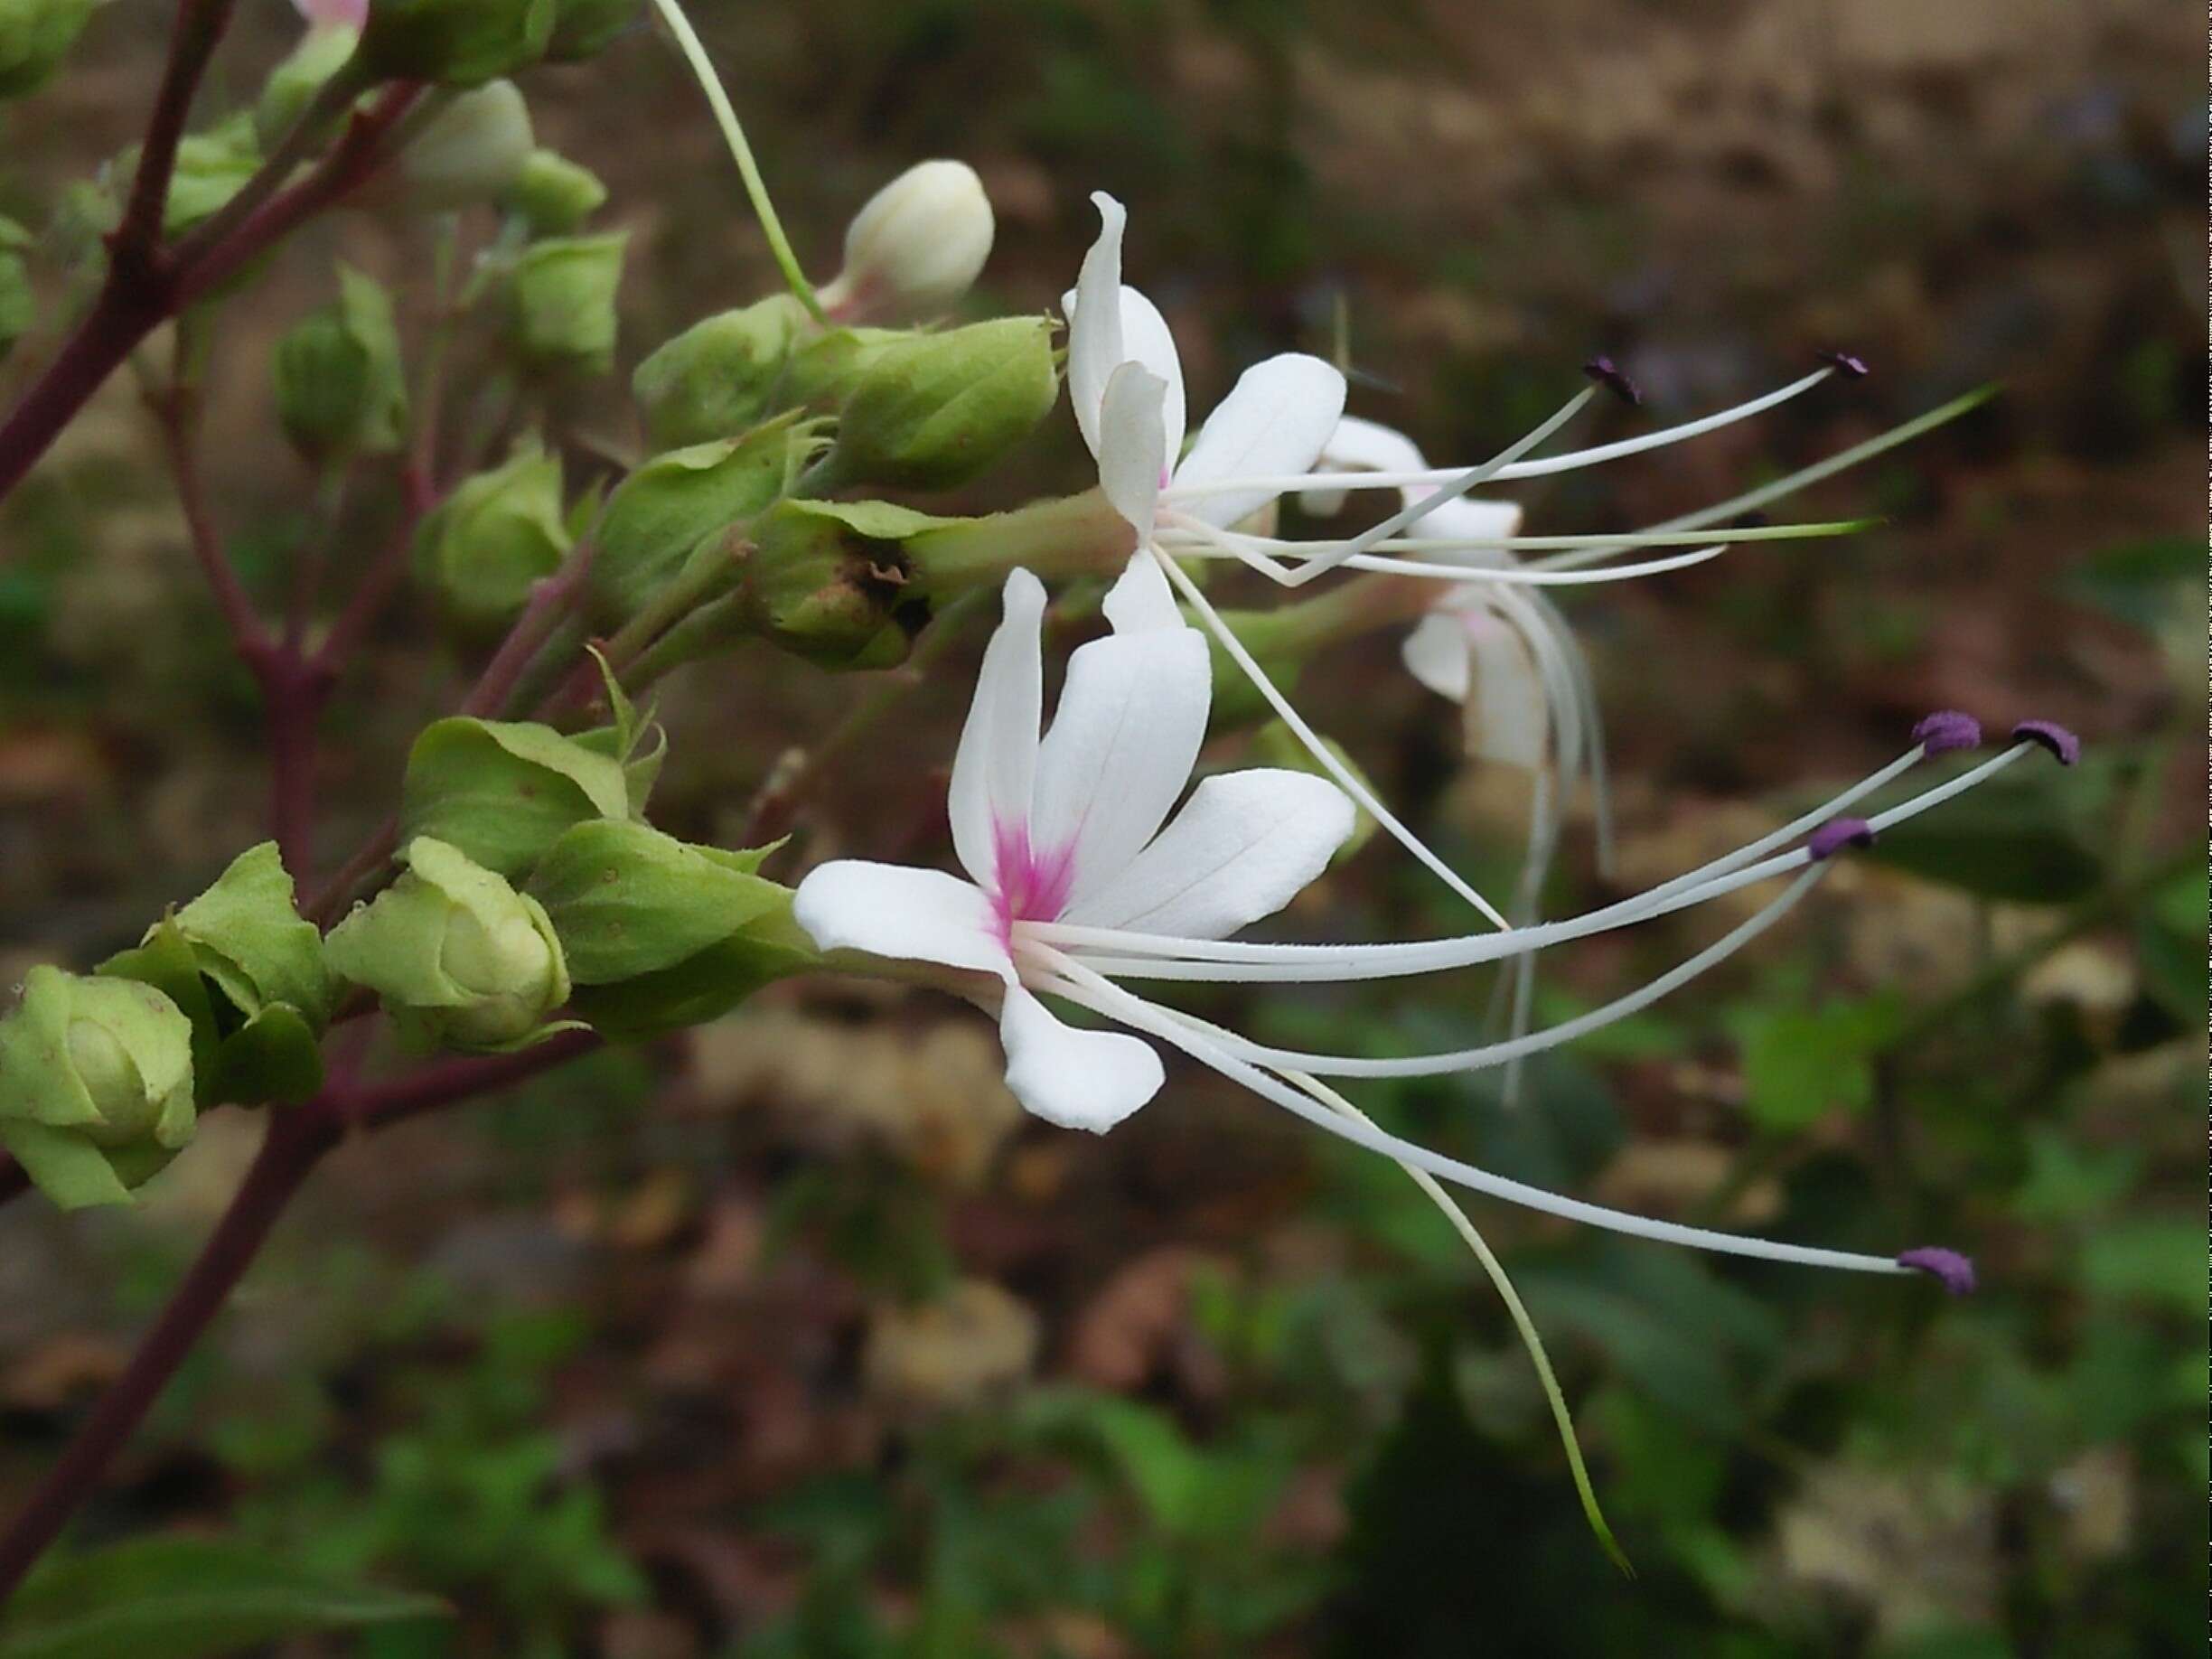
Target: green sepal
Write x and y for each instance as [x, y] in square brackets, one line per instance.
[628, 900]
[562, 296]
[934, 410]
[722, 375]
[499, 533]
[253, 943]
[166, 961]
[703, 987]
[503, 792]
[456, 42]
[658, 519]
[276, 1055]
[831, 582]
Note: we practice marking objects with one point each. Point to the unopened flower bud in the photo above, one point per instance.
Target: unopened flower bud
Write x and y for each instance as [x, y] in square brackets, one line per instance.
[458, 957]
[658, 518]
[472, 152]
[455, 42]
[95, 1084]
[250, 941]
[915, 247]
[564, 302]
[494, 536]
[935, 410]
[552, 194]
[341, 388]
[18, 304]
[716, 378]
[35, 35]
[586, 28]
[293, 84]
[212, 167]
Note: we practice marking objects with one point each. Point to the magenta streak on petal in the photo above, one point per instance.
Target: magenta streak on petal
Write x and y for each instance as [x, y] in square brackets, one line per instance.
[1031, 887]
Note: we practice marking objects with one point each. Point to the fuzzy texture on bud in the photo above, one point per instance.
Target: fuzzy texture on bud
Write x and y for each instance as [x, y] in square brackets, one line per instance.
[935, 410]
[552, 194]
[35, 35]
[677, 505]
[563, 319]
[720, 376]
[915, 247]
[341, 387]
[458, 957]
[586, 28]
[494, 536]
[455, 42]
[96, 1085]
[472, 152]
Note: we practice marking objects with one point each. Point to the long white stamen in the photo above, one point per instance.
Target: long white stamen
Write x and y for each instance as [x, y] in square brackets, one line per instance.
[1497, 466]
[1101, 997]
[1750, 501]
[1507, 576]
[1181, 527]
[1346, 779]
[1570, 461]
[1487, 1055]
[1173, 958]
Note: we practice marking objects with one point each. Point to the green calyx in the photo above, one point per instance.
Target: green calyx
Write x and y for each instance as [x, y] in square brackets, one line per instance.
[551, 195]
[722, 375]
[494, 537]
[341, 385]
[455, 42]
[503, 791]
[562, 293]
[96, 1085]
[459, 959]
[471, 152]
[929, 411]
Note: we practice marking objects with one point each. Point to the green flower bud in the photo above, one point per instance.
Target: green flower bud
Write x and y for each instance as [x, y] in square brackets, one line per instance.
[659, 516]
[719, 376]
[35, 35]
[552, 194]
[935, 410]
[96, 1085]
[915, 247]
[459, 957]
[472, 151]
[659, 935]
[293, 84]
[457, 42]
[826, 369]
[247, 938]
[341, 388]
[564, 302]
[831, 582]
[494, 536]
[212, 167]
[586, 28]
[18, 304]
[503, 792]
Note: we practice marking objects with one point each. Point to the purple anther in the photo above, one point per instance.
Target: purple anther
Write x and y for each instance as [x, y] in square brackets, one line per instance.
[1846, 362]
[1947, 729]
[1832, 837]
[1947, 1268]
[2052, 736]
[1613, 378]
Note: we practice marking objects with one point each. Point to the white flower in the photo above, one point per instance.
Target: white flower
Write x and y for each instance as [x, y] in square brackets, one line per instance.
[1066, 828]
[1075, 887]
[914, 248]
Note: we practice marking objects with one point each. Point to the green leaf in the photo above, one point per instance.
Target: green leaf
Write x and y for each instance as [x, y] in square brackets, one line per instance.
[503, 791]
[2148, 1259]
[1800, 1064]
[627, 900]
[2007, 840]
[183, 1598]
[2170, 943]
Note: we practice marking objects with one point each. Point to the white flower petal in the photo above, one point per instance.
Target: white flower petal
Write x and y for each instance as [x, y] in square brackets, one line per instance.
[1275, 419]
[1140, 598]
[1121, 746]
[1240, 849]
[1360, 446]
[1094, 320]
[1085, 1080]
[1146, 339]
[1132, 446]
[893, 910]
[1437, 654]
[996, 763]
[1508, 719]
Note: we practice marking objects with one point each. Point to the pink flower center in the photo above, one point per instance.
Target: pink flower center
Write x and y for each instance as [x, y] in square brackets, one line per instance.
[1032, 887]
